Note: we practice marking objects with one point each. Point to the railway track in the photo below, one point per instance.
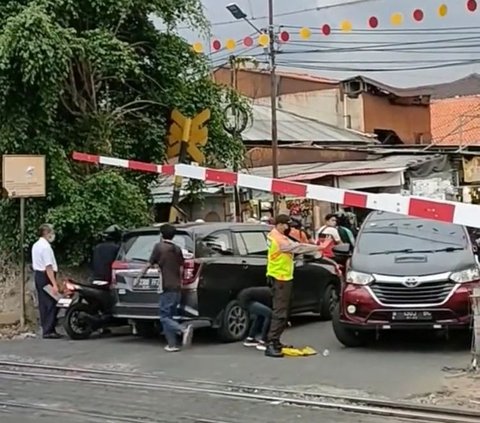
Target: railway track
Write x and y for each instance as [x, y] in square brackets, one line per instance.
[374, 407]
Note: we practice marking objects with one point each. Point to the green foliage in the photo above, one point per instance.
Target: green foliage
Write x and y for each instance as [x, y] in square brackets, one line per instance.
[97, 76]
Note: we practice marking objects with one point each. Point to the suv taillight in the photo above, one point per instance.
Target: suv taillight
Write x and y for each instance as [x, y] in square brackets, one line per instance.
[188, 272]
[117, 265]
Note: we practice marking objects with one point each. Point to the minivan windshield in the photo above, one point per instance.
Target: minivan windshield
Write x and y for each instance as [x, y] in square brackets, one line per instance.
[140, 247]
[384, 235]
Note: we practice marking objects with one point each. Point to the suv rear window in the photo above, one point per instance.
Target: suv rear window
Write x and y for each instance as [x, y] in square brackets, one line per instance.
[392, 233]
[140, 247]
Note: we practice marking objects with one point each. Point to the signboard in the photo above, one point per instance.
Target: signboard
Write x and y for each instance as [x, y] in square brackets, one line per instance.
[23, 176]
[471, 170]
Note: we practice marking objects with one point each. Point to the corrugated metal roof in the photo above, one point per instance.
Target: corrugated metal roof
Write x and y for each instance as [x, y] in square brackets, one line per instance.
[294, 128]
[305, 172]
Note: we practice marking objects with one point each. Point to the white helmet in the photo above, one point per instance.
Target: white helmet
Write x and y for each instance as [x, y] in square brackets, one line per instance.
[199, 221]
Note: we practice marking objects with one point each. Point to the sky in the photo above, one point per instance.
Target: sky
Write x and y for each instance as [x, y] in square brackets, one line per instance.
[400, 52]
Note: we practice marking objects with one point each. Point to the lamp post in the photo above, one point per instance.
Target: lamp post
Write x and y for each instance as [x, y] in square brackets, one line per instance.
[239, 14]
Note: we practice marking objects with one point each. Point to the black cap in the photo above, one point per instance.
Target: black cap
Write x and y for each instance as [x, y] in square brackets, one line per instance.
[282, 219]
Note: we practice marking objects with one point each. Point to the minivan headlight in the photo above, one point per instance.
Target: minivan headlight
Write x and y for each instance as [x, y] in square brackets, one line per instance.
[359, 278]
[468, 275]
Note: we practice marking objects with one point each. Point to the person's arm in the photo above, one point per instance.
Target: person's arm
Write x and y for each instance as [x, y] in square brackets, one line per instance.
[154, 258]
[288, 246]
[51, 277]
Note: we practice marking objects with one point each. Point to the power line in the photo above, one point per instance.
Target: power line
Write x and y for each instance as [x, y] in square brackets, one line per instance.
[289, 13]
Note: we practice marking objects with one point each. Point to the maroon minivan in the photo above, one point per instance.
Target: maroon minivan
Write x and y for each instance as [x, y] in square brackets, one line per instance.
[405, 273]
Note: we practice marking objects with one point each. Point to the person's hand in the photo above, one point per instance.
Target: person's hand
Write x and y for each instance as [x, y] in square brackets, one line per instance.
[55, 289]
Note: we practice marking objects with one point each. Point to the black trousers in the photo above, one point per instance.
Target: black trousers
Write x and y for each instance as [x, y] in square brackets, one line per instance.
[47, 305]
[282, 292]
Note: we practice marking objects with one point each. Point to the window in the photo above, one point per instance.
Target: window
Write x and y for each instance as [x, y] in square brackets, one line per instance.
[215, 244]
[255, 243]
[140, 247]
[401, 232]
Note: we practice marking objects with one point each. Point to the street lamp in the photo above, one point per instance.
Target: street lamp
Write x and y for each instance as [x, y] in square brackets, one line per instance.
[239, 14]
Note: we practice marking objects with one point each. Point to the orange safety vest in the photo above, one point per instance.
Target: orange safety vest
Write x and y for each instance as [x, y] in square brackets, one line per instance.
[280, 264]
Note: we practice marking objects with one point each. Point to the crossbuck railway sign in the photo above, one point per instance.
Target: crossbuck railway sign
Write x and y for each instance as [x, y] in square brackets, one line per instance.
[444, 211]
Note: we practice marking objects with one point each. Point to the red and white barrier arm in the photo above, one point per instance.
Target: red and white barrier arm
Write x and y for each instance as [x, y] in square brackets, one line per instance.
[445, 211]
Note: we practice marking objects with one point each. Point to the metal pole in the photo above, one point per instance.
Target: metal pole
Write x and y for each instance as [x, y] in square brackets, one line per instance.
[273, 100]
[22, 262]
[178, 182]
[233, 83]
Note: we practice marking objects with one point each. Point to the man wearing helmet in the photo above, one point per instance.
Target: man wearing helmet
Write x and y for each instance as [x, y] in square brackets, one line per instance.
[105, 253]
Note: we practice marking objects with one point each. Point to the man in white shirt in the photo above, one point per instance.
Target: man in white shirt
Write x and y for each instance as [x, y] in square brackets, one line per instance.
[328, 235]
[45, 269]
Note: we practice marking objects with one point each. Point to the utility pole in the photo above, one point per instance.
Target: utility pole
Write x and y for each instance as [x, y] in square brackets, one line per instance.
[233, 83]
[273, 100]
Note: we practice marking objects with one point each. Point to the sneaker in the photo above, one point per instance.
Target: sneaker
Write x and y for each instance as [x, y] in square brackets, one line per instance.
[261, 346]
[187, 336]
[274, 351]
[168, 348]
[250, 342]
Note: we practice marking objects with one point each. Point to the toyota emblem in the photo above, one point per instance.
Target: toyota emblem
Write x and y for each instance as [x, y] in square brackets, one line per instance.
[411, 282]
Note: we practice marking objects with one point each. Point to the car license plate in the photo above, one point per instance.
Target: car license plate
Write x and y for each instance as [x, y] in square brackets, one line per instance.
[64, 302]
[147, 283]
[412, 315]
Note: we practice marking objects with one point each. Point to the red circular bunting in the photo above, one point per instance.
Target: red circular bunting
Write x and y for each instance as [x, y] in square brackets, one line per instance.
[472, 5]
[373, 22]
[216, 45]
[418, 15]
[326, 30]
[284, 36]
[248, 41]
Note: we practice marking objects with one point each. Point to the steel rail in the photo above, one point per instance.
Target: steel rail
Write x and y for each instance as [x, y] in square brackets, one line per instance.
[432, 416]
[401, 405]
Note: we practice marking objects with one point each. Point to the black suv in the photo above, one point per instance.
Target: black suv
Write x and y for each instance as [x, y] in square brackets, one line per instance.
[221, 259]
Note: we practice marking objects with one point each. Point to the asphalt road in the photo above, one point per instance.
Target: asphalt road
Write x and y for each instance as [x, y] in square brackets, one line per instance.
[399, 366]
[76, 402]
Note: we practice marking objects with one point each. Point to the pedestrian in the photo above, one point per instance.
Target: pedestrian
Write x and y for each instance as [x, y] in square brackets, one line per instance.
[344, 229]
[258, 302]
[45, 269]
[280, 266]
[169, 258]
[297, 231]
[328, 235]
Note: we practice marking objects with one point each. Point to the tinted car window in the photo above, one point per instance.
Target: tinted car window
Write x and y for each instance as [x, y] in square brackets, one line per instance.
[215, 244]
[400, 233]
[255, 243]
[140, 247]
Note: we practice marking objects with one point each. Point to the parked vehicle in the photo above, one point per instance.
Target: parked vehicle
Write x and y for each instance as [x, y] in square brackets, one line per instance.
[405, 273]
[88, 308]
[221, 259]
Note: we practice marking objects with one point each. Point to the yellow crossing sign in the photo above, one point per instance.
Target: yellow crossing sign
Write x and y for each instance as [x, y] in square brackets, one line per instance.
[191, 131]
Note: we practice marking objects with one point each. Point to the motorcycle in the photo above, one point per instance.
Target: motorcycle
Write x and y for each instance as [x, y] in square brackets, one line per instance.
[87, 308]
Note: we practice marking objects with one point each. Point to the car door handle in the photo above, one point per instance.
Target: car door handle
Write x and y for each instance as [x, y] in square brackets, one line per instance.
[244, 264]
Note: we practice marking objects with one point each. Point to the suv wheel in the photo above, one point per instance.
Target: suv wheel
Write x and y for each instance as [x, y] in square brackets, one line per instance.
[234, 324]
[328, 302]
[146, 329]
[347, 336]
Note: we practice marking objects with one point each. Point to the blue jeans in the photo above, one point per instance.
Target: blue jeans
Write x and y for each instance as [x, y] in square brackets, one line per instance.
[262, 317]
[168, 305]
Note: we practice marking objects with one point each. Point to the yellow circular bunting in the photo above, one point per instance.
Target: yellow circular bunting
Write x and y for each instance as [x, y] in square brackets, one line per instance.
[305, 33]
[346, 26]
[198, 47]
[263, 40]
[442, 10]
[396, 19]
[230, 44]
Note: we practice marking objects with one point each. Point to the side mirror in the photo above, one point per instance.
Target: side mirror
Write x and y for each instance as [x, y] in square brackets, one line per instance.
[342, 250]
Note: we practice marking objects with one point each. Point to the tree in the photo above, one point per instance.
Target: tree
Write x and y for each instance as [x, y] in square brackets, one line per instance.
[97, 76]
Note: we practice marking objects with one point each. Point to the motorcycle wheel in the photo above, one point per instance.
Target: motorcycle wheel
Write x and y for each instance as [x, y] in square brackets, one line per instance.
[76, 327]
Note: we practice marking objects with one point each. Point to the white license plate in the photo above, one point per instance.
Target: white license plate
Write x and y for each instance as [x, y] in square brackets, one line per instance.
[147, 283]
[64, 302]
